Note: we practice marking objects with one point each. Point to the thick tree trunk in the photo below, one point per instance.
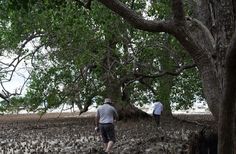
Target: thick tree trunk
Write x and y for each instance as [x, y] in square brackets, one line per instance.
[129, 112]
[196, 39]
[227, 111]
[113, 88]
[166, 84]
[125, 109]
[220, 21]
[122, 103]
[234, 131]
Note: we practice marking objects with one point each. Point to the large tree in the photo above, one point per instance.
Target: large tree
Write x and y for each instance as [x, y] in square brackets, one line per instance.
[209, 38]
[119, 62]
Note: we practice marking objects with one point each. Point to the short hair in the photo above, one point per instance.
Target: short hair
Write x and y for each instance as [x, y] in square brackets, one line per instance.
[107, 100]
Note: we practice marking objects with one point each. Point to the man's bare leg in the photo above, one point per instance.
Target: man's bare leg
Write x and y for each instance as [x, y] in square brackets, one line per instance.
[105, 146]
[109, 146]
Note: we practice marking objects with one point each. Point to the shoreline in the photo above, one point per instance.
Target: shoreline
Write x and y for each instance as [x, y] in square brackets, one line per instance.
[63, 115]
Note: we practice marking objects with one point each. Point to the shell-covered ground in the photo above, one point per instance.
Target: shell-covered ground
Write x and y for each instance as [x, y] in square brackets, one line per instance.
[70, 133]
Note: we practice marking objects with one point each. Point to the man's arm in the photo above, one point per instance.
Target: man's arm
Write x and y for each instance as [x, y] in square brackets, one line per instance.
[153, 111]
[97, 118]
[116, 116]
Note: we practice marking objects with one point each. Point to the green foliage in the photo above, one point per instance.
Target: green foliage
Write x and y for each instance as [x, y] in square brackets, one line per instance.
[187, 90]
[14, 106]
[73, 45]
[160, 9]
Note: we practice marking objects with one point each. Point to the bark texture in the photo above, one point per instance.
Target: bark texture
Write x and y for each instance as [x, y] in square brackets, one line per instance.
[220, 20]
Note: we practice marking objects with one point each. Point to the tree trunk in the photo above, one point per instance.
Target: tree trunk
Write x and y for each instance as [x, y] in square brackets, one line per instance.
[221, 23]
[125, 108]
[166, 84]
[123, 105]
[227, 111]
[196, 39]
[129, 112]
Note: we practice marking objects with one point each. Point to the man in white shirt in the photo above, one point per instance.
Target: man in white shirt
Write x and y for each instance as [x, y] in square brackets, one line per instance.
[158, 108]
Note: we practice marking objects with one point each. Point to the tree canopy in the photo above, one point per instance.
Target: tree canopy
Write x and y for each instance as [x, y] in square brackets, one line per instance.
[76, 53]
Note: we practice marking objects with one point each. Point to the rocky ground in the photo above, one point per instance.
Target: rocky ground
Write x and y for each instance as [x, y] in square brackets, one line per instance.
[70, 133]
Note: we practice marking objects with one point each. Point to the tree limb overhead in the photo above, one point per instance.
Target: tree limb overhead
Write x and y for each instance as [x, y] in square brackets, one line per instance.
[136, 20]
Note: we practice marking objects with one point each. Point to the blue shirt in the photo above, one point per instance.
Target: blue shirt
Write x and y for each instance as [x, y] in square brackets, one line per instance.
[106, 113]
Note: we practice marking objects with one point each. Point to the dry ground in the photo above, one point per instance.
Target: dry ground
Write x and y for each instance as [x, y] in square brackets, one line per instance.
[71, 133]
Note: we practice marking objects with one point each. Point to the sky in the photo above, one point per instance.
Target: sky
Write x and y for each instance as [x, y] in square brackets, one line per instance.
[20, 74]
[17, 80]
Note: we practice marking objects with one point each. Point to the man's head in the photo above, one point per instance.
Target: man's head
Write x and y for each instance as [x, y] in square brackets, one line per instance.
[107, 100]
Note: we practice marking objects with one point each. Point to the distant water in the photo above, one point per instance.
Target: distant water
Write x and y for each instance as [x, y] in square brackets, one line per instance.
[147, 108]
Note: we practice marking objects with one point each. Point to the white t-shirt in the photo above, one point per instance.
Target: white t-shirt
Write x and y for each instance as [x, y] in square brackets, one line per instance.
[158, 108]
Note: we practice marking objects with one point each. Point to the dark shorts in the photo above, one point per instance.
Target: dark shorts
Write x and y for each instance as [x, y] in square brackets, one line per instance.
[107, 132]
[157, 119]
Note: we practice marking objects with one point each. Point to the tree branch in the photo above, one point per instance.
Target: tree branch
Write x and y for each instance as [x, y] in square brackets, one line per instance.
[4, 97]
[139, 76]
[148, 86]
[178, 11]
[86, 4]
[175, 73]
[136, 20]
[87, 104]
